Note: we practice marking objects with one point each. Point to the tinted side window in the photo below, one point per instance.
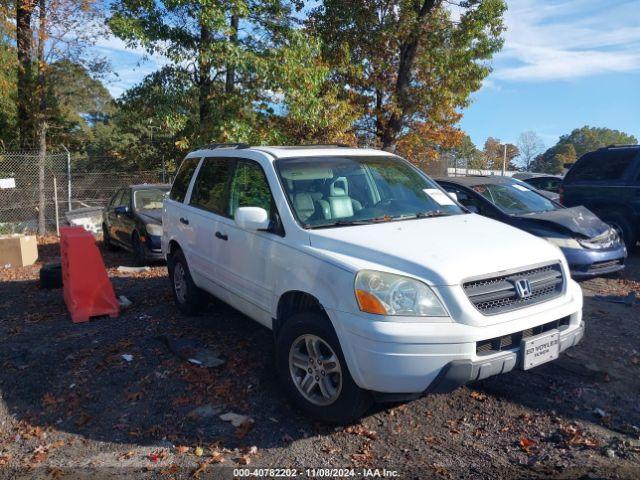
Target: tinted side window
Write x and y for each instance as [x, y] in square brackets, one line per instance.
[181, 183]
[126, 198]
[115, 201]
[605, 165]
[249, 188]
[210, 189]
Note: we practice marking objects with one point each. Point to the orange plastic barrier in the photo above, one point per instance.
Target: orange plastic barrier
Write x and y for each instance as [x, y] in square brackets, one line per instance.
[87, 289]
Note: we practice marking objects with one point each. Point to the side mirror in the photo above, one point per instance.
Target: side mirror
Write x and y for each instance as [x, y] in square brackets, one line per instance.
[252, 218]
[472, 208]
[122, 210]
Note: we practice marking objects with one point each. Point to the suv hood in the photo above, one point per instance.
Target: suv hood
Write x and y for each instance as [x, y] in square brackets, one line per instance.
[578, 221]
[440, 250]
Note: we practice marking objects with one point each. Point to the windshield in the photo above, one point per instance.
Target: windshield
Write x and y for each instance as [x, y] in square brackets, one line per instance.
[149, 198]
[335, 191]
[515, 199]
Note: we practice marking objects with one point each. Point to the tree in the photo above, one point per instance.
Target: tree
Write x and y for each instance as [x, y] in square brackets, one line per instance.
[572, 146]
[413, 67]
[222, 45]
[494, 152]
[529, 146]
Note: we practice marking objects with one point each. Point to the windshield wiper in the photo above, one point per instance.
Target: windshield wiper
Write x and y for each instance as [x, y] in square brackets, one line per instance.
[433, 213]
[341, 223]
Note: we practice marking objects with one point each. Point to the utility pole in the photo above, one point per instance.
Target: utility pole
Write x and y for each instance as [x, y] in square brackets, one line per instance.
[504, 159]
[68, 178]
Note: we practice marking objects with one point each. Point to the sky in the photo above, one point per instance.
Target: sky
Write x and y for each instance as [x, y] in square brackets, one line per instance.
[564, 64]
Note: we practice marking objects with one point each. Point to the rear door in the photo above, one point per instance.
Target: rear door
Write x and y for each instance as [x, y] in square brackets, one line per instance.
[208, 205]
[175, 215]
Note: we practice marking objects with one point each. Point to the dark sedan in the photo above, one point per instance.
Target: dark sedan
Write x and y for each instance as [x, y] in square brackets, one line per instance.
[590, 246]
[133, 220]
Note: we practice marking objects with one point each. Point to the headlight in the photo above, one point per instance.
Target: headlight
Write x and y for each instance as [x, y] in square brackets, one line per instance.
[606, 240]
[388, 294]
[154, 229]
[563, 242]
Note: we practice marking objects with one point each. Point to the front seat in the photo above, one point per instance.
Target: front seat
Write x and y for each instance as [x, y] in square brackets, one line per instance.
[304, 205]
[340, 203]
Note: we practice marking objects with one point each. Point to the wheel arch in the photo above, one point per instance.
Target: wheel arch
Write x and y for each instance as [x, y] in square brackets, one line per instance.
[294, 301]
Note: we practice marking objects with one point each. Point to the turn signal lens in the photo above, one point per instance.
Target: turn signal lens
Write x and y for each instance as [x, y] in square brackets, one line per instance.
[369, 303]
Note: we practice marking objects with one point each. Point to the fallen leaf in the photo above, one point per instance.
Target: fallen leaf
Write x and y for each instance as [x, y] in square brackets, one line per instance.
[481, 397]
[198, 451]
[55, 472]
[126, 455]
[182, 449]
[526, 444]
[6, 458]
[48, 400]
[244, 460]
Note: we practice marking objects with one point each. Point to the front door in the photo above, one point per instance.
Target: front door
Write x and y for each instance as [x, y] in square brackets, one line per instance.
[243, 257]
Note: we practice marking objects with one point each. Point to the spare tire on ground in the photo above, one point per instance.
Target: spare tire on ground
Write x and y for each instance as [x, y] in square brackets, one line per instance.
[51, 275]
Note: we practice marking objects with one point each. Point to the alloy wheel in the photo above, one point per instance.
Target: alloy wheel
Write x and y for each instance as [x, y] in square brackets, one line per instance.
[315, 370]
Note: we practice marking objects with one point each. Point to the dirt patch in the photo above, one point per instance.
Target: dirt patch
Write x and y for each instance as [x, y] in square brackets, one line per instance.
[109, 398]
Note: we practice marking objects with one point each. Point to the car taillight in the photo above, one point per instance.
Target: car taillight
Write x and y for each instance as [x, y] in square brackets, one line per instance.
[561, 193]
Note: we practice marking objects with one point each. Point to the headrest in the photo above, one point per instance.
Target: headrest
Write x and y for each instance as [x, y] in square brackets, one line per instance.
[303, 201]
[339, 191]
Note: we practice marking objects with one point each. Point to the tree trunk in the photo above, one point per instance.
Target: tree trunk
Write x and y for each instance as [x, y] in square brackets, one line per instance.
[42, 119]
[24, 35]
[231, 70]
[408, 51]
[204, 81]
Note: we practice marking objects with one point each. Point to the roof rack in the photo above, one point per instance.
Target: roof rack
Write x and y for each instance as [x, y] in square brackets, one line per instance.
[213, 146]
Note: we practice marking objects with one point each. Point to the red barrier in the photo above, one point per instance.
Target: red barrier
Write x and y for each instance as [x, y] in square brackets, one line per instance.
[87, 289]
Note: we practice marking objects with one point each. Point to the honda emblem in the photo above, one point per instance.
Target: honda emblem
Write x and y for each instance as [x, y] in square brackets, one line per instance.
[523, 288]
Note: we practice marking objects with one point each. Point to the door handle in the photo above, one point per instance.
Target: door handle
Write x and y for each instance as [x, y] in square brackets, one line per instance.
[222, 236]
[184, 220]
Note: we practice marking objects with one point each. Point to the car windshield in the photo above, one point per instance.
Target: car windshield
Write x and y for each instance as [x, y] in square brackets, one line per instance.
[355, 190]
[149, 198]
[515, 199]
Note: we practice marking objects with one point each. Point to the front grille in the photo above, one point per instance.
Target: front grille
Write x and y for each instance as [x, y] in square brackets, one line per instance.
[512, 340]
[605, 265]
[493, 295]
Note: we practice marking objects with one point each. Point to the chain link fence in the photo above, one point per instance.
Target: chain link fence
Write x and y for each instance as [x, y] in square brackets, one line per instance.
[71, 190]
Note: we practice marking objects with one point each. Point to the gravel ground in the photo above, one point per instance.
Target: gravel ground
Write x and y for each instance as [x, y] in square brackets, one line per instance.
[72, 406]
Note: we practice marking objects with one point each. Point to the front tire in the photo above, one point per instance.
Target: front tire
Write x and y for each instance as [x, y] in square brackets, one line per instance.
[139, 253]
[106, 238]
[188, 297]
[314, 372]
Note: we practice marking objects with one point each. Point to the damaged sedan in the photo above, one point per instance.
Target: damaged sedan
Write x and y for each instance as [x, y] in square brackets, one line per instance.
[590, 246]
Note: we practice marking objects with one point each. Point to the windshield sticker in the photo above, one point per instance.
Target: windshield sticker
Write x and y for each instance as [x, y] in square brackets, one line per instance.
[521, 188]
[438, 196]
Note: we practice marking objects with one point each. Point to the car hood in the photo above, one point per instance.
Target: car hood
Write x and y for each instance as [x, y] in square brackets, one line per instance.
[578, 221]
[441, 250]
[151, 216]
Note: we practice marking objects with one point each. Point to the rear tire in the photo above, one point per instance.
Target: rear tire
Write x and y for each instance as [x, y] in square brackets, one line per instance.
[624, 227]
[330, 398]
[188, 297]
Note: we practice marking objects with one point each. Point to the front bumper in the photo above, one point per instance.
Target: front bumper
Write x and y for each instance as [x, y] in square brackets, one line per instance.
[461, 372]
[586, 263]
[153, 247]
[406, 357]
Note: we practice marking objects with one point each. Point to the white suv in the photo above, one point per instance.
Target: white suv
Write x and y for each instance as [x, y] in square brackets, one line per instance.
[377, 284]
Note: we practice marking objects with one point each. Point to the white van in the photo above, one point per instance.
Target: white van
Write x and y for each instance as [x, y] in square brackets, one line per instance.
[377, 284]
